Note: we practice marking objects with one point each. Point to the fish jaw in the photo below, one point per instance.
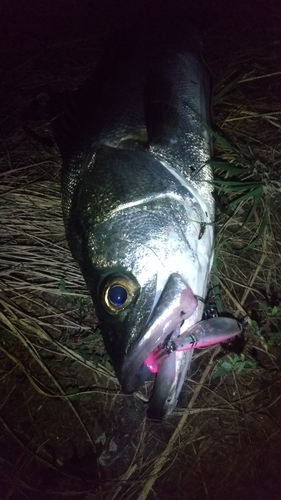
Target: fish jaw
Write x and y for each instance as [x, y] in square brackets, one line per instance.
[172, 368]
[168, 384]
[176, 303]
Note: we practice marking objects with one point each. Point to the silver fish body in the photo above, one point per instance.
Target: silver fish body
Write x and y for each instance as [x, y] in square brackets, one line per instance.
[137, 201]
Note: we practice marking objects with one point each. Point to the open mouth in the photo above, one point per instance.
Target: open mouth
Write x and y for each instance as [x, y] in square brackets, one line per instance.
[162, 341]
[150, 355]
[140, 364]
[176, 303]
[162, 352]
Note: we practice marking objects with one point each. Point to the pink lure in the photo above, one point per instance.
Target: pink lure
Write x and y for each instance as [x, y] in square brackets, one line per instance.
[203, 334]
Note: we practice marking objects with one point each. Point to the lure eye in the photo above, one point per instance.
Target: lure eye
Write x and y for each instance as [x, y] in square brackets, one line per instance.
[117, 295]
[118, 291]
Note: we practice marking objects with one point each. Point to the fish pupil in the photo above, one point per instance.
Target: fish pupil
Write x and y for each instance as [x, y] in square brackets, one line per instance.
[117, 295]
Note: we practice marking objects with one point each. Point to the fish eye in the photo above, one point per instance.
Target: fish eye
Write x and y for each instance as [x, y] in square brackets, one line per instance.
[117, 295]
[118, 292]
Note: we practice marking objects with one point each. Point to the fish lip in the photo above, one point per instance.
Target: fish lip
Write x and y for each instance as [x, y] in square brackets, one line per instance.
[134, 370]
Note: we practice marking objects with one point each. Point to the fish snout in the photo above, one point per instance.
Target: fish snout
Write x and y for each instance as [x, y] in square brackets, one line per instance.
[177, 302]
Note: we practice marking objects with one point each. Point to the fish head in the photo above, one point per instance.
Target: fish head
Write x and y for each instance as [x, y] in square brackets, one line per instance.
[141, 255]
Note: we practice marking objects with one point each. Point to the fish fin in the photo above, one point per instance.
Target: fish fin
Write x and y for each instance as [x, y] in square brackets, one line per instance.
[174, 98]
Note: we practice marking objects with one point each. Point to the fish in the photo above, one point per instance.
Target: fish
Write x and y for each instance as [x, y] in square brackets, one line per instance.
[137, 197]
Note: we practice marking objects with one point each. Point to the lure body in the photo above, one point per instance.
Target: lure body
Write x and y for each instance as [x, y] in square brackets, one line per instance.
[203, 334]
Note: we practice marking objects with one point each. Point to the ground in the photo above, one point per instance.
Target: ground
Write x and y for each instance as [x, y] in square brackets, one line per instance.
[67, 430]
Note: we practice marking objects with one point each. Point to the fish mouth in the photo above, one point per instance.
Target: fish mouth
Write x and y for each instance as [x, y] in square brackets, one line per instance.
[177, 303]
[139, 366]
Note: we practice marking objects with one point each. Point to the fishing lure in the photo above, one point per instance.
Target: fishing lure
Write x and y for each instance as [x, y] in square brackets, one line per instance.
[203, 334]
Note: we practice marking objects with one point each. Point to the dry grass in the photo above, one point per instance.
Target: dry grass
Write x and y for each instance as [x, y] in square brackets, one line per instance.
[67, 429]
